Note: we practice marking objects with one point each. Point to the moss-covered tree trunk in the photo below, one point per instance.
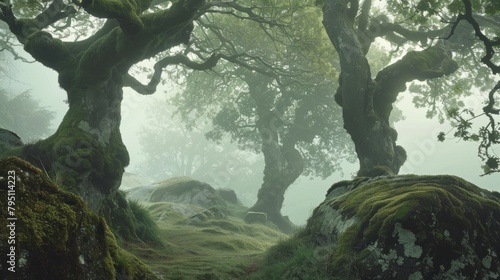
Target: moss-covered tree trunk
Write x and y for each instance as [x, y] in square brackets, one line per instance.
[87, 154]
[366, 102]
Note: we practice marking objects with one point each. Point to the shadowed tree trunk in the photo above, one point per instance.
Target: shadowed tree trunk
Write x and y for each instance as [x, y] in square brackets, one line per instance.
[366, 102]
[283, 162]
[283, 165]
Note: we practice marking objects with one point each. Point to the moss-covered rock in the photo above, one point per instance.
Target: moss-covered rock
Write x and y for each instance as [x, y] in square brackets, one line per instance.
[401, 227]
[53, 234]
[187, 191]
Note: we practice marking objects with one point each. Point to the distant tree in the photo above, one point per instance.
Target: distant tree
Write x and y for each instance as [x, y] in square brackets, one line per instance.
[431, 43]
[172, 149]
[271, 95]
[23, 115]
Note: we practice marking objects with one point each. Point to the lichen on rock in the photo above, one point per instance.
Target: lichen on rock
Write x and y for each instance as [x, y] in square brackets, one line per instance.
[404, 227]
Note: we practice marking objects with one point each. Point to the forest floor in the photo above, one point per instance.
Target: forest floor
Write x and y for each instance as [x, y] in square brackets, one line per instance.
[214, 248]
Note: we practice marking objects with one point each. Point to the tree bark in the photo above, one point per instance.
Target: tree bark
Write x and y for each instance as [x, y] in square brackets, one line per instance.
[86, 154]
[283, 165]
[283, 162]
[366, 102]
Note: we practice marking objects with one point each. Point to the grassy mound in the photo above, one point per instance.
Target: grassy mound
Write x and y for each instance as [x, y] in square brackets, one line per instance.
[223, 248]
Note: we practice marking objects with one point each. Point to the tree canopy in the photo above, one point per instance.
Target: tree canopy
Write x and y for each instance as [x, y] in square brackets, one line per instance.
[430, 40]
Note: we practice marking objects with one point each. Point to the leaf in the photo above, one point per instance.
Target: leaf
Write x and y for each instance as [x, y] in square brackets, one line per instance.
[492, 163]
[441, 136]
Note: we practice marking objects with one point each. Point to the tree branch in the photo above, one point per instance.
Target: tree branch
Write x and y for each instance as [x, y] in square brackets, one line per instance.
[488, 44]
[150, 88]
[428, 64]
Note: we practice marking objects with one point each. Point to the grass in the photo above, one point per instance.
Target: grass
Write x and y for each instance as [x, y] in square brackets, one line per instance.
[213, 249]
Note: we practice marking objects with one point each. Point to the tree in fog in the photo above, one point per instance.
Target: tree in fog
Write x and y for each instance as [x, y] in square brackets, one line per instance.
[437, 45]
[94, 63]
[271, 95]
[172, 149]
[23, 115]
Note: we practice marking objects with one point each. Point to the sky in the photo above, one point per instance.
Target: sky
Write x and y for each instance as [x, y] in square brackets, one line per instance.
[417, 134]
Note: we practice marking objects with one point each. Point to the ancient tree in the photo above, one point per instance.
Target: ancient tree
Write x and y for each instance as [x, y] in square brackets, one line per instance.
[431, 44]
[86, 152]
[270, 94]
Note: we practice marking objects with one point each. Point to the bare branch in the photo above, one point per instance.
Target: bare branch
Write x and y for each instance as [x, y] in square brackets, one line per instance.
[150, 88]
[489, 109]
[488, 44]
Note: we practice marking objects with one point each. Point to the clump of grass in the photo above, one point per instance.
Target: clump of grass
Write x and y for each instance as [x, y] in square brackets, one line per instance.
[146, 228]
[290, 258]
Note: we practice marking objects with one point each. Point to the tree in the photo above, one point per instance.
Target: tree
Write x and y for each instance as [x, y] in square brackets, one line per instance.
[86, 153]
[270, 94]
[430, 47]
[172, 149]
[87, 150]
[23, 115]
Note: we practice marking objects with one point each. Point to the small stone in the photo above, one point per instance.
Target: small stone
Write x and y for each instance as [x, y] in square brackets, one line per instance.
[256, 217]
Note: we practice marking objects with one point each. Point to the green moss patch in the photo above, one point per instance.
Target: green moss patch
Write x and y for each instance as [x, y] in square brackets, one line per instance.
[56, 235]
[209, 249]
[399, 227]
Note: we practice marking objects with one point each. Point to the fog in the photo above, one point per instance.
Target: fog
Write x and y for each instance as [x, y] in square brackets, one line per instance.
[417, 135]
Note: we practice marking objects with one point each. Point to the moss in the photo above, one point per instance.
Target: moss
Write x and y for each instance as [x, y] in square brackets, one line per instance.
[292, 258]
[395, 227]
[388, 201]
[125, 12]
[57, 236]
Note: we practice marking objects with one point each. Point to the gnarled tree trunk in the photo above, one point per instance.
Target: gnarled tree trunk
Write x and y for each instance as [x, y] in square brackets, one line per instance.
[283, 162]
[86, 154]
[366, 102]
[283, 165]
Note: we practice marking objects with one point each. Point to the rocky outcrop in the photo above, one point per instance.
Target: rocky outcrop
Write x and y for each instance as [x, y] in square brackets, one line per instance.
[53, 234]
[183, 190]
[186, 191]
[398, 227]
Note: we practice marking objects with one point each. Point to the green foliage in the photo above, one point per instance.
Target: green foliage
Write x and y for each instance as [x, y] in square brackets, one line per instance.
[287, 255]
[288, 69]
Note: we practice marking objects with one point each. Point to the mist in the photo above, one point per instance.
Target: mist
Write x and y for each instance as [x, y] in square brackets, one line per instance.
[417, 134]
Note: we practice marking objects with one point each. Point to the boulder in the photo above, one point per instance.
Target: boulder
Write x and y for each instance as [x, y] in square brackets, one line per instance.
[228, 195]
[53, 234]
[186, 191]
[140, 193]
[399, 227]
[255, 217]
